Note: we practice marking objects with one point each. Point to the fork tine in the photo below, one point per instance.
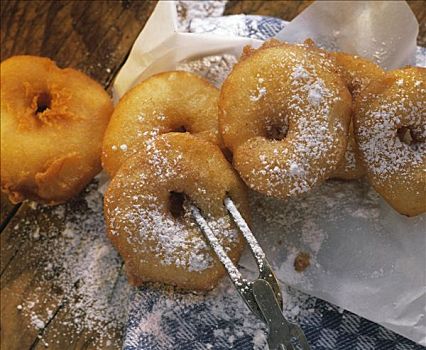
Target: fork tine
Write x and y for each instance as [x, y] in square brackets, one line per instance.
[232, 270]
[258, 253]
[243, 286]
[265, 270]
[261, 294]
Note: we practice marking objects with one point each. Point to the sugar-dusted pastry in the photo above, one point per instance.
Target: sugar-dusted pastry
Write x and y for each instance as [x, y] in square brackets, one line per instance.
[147, 214]
[390, 130]
[284, 113]
[166, 102]
[357, 73]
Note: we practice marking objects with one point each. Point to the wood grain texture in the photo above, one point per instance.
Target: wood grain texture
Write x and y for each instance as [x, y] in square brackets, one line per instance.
[419, 9]
[26, 278]
[95, 37]
[23, 278]
[92, 36]
[286, 10]
[7, 210]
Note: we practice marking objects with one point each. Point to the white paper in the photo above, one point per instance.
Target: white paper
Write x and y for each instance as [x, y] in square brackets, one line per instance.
[160, 47]
[364, 256]
[383, 31]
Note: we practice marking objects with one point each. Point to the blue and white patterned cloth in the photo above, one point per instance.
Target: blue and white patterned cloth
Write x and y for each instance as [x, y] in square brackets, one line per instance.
[160, 319]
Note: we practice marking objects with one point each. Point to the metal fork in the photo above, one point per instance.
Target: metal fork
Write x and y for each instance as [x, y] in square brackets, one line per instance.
[263, 295]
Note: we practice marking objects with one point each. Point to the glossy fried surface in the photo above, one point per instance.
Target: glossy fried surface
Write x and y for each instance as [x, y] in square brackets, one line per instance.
[284, 112]
[166, 102]
[357, 73]
[52, 125]
[147, 214]
[390, 129]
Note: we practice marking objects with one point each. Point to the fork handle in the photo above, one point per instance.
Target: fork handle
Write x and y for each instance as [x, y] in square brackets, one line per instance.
[280, 330]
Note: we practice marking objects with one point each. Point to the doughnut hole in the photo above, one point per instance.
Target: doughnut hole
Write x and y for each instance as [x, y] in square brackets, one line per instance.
[43, 102]
[180, 129]
[411, 135]
[176, 202]
[276, 132]
[276, 127]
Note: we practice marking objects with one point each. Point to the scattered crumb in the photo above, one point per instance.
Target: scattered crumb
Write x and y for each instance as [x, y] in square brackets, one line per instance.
[302, 261]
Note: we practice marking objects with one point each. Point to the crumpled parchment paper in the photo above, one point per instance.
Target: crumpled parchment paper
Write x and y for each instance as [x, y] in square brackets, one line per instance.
[364, 257]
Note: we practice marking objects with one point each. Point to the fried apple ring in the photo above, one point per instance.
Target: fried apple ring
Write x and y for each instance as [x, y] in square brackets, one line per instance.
[357, 73]
[146, 216]
[284, 112]
[52, 125]
[390, 129]
[166, 102]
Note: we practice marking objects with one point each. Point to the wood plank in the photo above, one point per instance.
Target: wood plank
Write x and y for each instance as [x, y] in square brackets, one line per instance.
[94, 37]
[23, 280]
[286, 10]
[419, 9]
[7, 210]
[12, 239]
[74, 338]
[39, 278]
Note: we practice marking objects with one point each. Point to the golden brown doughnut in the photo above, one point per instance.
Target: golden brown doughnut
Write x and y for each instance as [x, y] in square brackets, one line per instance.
[357, 73]
[284, 112]
[52, 125]
[149, 226]
[390, 130]
[166, 102]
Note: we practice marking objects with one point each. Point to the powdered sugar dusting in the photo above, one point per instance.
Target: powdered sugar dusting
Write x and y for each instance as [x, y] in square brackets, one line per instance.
[303, 224]
[213, 68]
[260, 90]
[141, 216]
[299, 72]
[315, 93]
[79, 263]
[384, 153]
[314, 137]
[295, 165]
[234, 324]
[351, 163]
[192, 10]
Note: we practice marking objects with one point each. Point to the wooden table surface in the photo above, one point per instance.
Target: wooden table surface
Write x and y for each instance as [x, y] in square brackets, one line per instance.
[95, 37]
